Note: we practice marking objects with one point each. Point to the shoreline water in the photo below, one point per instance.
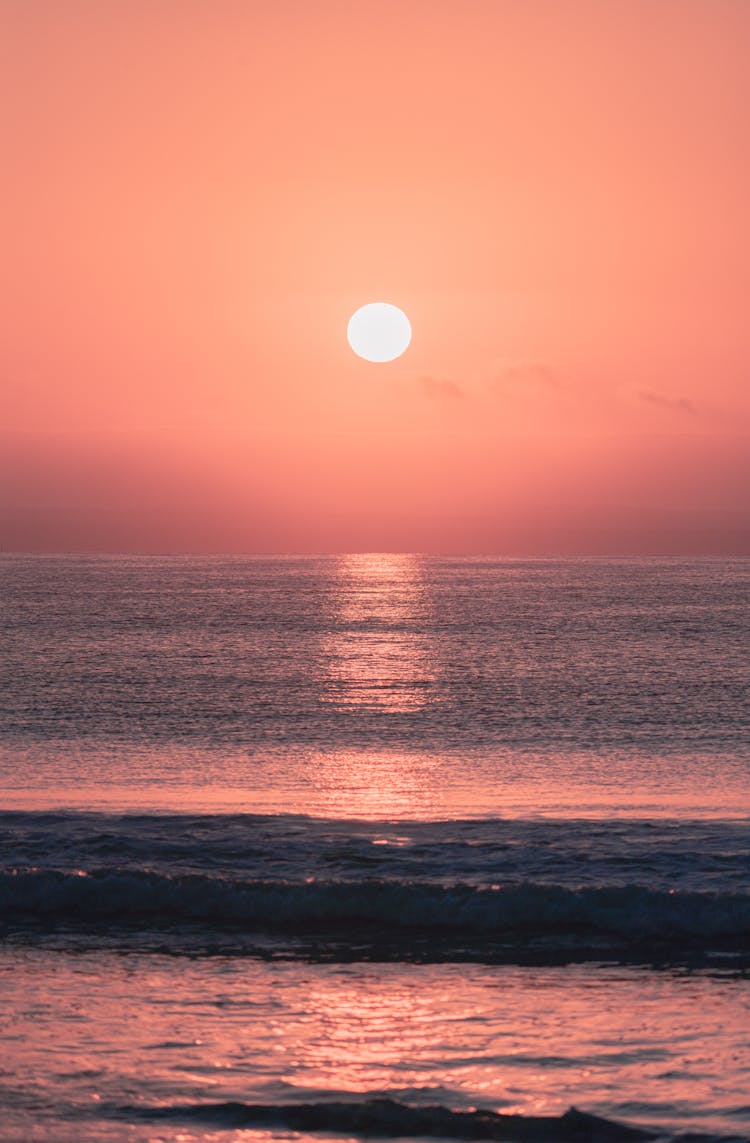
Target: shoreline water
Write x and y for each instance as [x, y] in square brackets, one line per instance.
[149, 1045]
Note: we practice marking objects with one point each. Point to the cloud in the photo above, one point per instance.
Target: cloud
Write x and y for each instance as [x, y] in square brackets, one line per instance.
[525, 376]
[440, 389]
[667, 401]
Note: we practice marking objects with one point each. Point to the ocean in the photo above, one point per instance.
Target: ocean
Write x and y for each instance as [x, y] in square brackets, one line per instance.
[380, 845]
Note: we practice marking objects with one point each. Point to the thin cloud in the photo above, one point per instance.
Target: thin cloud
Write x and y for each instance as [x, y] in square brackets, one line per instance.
[667, 401]
[529, 376]
[440, 389]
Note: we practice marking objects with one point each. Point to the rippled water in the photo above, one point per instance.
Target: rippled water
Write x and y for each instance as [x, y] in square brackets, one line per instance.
[623, 1043]
[454, 832]
[377, 685]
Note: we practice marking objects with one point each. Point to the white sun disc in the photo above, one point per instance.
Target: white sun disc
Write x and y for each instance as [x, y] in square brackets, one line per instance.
[379, 331]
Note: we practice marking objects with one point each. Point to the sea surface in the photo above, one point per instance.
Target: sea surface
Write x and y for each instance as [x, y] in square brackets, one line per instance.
[374, 845]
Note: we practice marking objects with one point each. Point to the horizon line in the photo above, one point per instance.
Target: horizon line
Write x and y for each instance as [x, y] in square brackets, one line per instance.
[277, 555]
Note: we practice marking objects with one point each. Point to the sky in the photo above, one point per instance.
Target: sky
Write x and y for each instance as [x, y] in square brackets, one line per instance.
[198, 195]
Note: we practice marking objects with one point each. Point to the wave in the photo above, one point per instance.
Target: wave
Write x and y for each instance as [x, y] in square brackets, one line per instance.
[392, 908]
[387, 1119]
[687, 856]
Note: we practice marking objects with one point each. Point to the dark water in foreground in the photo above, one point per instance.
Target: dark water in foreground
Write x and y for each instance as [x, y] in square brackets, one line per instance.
[278, 834]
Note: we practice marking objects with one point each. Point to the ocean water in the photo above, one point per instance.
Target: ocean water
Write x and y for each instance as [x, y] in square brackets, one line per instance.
[380, 844]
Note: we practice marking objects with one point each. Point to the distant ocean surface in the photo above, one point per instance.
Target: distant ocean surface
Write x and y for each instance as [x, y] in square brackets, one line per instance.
[362, 843]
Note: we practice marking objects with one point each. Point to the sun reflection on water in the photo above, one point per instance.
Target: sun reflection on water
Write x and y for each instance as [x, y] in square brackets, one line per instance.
[378, 654]
[378, 660]
[376, 785]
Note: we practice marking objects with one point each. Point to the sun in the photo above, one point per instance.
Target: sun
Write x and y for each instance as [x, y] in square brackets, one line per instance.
[379, 331]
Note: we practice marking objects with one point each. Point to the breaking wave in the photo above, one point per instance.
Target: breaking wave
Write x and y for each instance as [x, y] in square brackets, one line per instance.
[629, 913]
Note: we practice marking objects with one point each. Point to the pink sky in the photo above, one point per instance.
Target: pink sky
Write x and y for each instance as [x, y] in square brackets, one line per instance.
[198, 195]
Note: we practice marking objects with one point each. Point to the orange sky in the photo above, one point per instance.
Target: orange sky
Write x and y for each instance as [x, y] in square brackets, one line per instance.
[198, 195]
